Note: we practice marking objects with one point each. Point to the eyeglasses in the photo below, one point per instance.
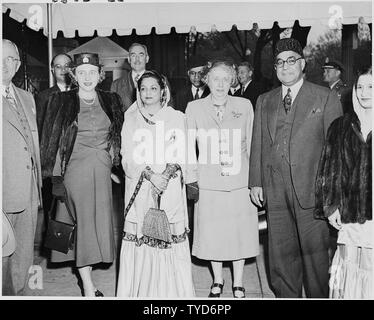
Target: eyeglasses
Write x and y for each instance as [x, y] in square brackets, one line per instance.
[290, 61]
[10, 59]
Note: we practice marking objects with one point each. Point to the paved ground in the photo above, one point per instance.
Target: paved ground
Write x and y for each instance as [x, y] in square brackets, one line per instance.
[61, 280]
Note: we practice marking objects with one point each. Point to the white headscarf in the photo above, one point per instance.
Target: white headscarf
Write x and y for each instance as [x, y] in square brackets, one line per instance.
[364, 115]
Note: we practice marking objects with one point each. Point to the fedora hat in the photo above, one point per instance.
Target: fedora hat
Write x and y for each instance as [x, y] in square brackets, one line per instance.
[9, 240]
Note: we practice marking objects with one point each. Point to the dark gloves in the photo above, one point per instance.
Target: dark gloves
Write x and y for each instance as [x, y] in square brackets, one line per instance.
[192, 191]
[58, 188]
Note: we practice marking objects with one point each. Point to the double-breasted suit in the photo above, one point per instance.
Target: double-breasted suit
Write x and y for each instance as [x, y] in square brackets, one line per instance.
[225, 220]
[285, 153]
[21, 185]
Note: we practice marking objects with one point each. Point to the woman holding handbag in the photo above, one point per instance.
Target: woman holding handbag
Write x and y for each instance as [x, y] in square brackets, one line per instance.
[155, 257]
[79, 144]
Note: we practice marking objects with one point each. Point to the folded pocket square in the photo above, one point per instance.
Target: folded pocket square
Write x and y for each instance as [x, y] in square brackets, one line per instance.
[315, 112]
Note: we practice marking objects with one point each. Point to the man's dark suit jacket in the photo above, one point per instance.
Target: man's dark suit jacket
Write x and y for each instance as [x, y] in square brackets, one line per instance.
[252, 92]
[41, 101]
[316, 107]
[185, 96]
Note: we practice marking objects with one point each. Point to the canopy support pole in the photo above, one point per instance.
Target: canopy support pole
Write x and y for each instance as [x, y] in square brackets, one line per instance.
[49, 21]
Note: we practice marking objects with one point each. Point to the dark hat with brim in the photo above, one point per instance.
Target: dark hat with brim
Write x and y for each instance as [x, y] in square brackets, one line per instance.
[288, 44]
[86, 58]
[333, 65]
[196, 61]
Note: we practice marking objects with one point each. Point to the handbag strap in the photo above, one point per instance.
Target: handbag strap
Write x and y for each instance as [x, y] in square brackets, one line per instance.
[136, 191]
[54, 201]
[137, 188]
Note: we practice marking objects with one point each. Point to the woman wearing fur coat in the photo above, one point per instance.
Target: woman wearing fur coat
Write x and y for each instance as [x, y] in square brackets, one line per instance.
[80, 142]
[344, 194]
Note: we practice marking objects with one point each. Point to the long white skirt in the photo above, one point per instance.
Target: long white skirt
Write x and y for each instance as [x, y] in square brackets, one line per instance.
[152, 272]
[352, 267]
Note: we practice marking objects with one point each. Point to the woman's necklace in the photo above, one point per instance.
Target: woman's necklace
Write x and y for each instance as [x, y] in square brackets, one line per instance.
[89, 102]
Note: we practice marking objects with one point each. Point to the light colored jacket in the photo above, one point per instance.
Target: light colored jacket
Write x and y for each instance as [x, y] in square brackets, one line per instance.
[17, 164]
[224, 156]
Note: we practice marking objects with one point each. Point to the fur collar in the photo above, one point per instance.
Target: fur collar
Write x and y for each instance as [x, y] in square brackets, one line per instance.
[62, 110]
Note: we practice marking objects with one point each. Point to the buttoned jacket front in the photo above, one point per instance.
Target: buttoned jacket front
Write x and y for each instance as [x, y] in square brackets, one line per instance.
[315, 108]
[17, 156]
[224, 146]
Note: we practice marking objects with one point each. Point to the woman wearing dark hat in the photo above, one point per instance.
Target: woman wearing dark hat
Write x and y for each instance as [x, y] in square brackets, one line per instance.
[80, 142]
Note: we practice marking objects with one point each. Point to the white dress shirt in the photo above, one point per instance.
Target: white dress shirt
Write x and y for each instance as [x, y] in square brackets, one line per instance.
[294, 89]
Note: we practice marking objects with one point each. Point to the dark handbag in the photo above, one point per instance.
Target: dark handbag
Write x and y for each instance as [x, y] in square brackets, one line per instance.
[156, 224]
[262, 221]
[60, 235]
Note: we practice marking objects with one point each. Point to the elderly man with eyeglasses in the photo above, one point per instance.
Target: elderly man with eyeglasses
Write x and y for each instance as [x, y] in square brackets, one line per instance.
[290, 128]
[21, 173]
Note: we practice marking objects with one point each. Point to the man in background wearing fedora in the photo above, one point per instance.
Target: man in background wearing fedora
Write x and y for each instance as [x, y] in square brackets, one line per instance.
[289, 132]
[196, 89]
[21, 173]
[332, 72]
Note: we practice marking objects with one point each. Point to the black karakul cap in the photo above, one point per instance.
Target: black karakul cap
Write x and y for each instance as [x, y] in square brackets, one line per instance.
[288, 44]
[333, 65]
[196, 61]
[86, 58]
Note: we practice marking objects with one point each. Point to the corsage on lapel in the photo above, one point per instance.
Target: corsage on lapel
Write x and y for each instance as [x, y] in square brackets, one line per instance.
[236, 114]
[171, 138]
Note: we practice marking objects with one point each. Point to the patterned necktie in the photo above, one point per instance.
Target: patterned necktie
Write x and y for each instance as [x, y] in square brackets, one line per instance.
[136, 80]
[196, 94]
[10, 98]
[287, 101]
[242, 92]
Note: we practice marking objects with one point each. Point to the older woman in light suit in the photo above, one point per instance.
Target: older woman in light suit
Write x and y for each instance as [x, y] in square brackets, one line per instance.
[226, 223]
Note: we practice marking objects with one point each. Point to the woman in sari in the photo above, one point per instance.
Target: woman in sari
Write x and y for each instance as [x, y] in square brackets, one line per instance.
[153, 158]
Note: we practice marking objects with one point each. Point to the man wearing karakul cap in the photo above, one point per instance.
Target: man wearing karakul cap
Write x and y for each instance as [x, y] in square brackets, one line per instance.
[196, 89]
[289, 132]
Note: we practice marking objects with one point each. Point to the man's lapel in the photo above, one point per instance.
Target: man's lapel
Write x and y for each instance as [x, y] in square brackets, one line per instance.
[28, 107]
[9, 114]
[273, 106]
[189, 96]
[303, 103]
[205, 92]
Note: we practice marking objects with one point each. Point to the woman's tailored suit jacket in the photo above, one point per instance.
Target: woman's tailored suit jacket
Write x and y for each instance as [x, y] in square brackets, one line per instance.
[223, 156]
